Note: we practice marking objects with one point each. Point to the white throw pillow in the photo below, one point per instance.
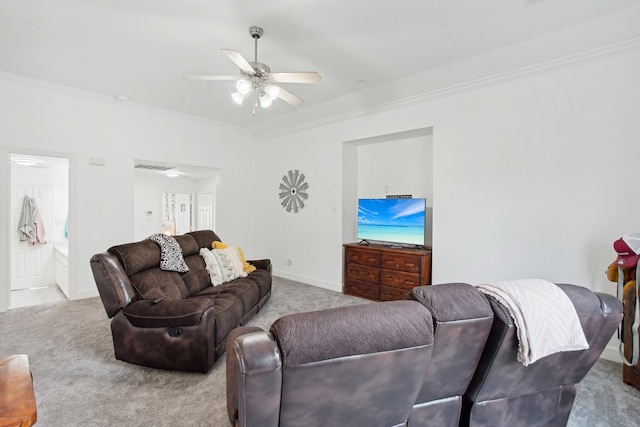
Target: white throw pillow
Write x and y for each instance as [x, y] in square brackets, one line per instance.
[223, 265]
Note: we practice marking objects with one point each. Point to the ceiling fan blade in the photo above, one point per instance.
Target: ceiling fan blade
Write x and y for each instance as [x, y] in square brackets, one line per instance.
[297, 77]
[290, 98]
[192, 77]
[239, 61]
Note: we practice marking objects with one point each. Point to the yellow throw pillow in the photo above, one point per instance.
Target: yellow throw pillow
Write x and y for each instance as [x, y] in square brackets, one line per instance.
[218, 245]
[248, 268]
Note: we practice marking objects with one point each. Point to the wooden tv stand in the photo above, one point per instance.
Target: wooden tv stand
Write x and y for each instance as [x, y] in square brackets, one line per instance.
[384, 273]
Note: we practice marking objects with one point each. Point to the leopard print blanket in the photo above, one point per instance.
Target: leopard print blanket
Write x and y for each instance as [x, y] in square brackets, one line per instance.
[171, 258]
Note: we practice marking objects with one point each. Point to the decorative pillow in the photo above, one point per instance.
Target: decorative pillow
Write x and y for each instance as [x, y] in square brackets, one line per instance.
[248, 268]
[223, 265]
[215, 273]
[171, 258]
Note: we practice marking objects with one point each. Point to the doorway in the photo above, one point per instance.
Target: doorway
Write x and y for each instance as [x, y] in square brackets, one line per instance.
[173, 199]
[38, 229]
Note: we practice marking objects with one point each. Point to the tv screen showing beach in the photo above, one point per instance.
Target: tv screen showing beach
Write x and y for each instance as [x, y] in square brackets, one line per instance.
[392, 220]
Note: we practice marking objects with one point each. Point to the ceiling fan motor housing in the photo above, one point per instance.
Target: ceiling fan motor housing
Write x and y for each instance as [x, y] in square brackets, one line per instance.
[256, 32]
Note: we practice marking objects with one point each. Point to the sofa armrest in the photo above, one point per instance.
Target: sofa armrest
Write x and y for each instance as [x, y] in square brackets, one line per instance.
[609, 304]
[167, 313]
[257, 379]
[232, 398]
[116, 291]
[264, 264]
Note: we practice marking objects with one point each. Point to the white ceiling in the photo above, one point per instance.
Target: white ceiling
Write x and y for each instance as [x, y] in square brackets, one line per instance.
[142, 48]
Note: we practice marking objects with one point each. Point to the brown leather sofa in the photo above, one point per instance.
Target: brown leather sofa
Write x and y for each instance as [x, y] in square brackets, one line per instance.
[462, 319]
[169, 320]
[362, 365]
[504, 392]
[351, 366]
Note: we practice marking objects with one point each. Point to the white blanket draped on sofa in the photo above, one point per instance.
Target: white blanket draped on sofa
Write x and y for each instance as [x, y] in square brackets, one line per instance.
[546, 321]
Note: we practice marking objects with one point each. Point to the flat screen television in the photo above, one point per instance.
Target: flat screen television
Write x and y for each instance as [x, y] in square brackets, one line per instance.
[397, 221]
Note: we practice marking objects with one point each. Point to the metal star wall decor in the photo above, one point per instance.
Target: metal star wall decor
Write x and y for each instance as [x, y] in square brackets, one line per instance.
[293, 191]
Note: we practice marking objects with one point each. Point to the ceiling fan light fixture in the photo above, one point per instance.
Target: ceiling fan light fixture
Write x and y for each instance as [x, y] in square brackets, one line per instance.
[257, 79]
[265, 100]
[273, 91]
[243, 86]
[238, 97]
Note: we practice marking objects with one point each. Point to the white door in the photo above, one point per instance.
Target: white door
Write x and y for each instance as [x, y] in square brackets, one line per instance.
[31, 265]
[183, 213]
[205, 210]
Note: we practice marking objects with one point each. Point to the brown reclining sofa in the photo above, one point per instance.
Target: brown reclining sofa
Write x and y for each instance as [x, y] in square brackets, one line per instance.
[169, 320]
[444, 358]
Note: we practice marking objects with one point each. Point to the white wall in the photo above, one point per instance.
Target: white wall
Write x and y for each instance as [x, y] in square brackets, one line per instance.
[49, 120]
[396, 167]
[532, 178]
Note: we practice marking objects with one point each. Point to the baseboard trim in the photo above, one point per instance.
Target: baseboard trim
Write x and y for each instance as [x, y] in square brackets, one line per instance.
[611, 353]
[309, 280]
[83, 294]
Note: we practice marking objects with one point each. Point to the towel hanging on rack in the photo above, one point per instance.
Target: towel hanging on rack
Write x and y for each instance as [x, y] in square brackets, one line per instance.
[30, 226]
[27, 222]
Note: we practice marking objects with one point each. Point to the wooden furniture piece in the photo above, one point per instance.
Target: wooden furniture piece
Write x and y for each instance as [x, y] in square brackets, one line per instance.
[630, 374]
[17, 399]
[383, 273]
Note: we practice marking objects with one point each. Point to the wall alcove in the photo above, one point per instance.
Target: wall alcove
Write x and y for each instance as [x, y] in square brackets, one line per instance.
[377, 166]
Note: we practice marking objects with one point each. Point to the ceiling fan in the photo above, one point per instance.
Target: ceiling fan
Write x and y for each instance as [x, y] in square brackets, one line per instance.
[257, 78]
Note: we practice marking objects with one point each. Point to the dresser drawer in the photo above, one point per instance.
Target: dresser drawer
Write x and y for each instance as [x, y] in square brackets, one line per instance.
[383, 273]
[402, 262]
[399, 279]
[364, 290]
[392, 294]
[362, 273]
[362, 257]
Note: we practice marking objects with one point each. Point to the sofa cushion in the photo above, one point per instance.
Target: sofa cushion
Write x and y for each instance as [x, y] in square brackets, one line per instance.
[262, 278]
[147, 314]
[444, 304]
[197, 278]
[406, 324]
[228, 311]
[154, 284]
[188, 244]
[244, 289]
[204, 238]
[137, 256]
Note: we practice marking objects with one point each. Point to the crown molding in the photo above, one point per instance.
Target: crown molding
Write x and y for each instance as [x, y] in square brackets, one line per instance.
[483, 82]
[95, 96]
[452, 89]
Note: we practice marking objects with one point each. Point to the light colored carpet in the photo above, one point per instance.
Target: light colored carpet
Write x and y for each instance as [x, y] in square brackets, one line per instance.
[78, 382]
